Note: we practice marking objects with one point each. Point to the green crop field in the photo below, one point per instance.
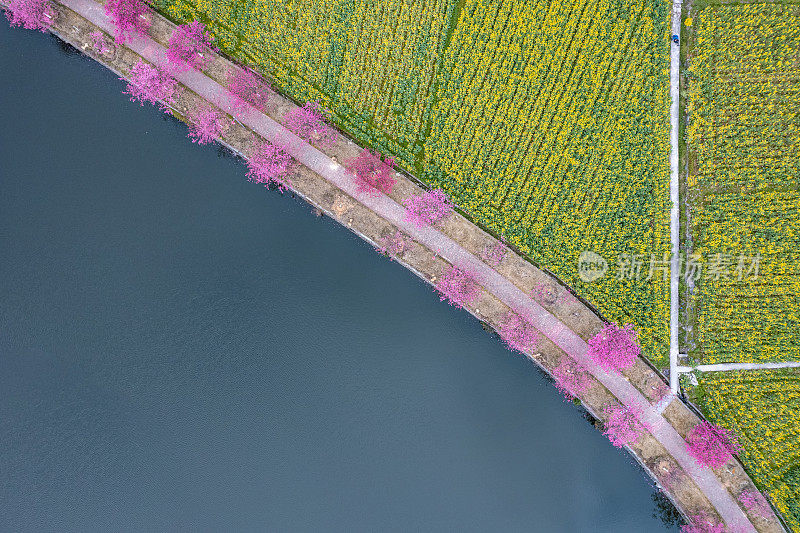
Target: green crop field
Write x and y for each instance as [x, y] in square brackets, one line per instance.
[744, 179]
[767, 426]
[743, 148]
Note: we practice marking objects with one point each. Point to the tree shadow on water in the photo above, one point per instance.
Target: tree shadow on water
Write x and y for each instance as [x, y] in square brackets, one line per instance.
[66, 48]
[665, 511]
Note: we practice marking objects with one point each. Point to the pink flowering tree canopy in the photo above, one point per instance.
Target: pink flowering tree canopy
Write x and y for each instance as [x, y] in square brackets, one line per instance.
[458, 287]
[190, 47]
[247, 88]
[373, 175]
[269, 164]
[129, 19]
[518, 333]
[614, 348]
[149, 84]
[30, 14]
[309, 124]
[427, 208]
[572, 378]
[623, 426]
[711, 445]
[205, 125]
[393, 244]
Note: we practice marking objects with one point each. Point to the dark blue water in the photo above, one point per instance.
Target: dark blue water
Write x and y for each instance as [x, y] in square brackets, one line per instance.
[183, 350]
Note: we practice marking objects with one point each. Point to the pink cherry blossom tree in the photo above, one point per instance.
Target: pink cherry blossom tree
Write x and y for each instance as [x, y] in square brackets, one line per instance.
[309, 124]
[427, 208]
[614, 348]
[269, 164]
[703, 524]
[247, 88]
[205, 125]
[30, 14]
[393, 244]
[190, 47]
[99, 42]
[572, 378]
[373, 175]
[458, 287]
[711, 445]
[149, 84]
[623, 426]
[493, 254]
[755, 503]
[129, 19]
[518, 333]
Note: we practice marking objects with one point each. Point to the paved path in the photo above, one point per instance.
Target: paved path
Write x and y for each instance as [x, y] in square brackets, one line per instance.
[674, 213]
[451, 251]
[740, 366]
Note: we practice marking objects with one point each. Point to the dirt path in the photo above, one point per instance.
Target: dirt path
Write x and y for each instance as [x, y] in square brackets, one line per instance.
[503, 289]
[674, 213]
[722, 367]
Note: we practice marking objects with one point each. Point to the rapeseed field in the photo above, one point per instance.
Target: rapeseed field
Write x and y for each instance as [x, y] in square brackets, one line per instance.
[744, 145]
[762, 408]
[743, 138]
